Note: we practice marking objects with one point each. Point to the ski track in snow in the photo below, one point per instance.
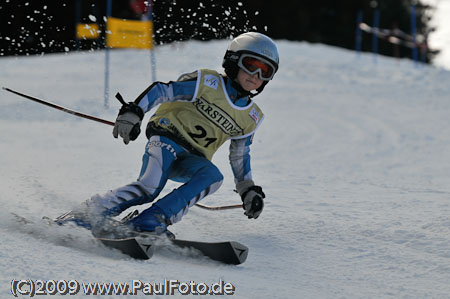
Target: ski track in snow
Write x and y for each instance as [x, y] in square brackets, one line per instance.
[353, 158]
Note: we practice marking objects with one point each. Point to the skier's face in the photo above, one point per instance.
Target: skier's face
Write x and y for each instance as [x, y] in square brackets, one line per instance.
[248, 82]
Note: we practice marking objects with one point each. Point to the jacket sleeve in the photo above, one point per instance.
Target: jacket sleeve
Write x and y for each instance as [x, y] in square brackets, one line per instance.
[240, 158]
[160, 92]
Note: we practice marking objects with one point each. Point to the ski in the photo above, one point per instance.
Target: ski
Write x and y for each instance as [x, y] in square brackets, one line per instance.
[229, 252]
[142, 245]
[131, 247]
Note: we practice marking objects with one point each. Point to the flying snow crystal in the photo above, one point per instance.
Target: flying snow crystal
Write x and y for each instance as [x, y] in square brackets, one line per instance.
[240, 3]
[92, 18]
[256, 13]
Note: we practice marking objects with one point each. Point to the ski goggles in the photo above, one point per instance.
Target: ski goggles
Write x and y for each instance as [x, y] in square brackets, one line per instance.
[254, 64]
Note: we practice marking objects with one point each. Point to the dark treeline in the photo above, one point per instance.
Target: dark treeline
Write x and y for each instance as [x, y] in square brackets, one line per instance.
[34, 27]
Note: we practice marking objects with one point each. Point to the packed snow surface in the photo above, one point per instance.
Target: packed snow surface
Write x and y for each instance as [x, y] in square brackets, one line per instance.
[353, 157]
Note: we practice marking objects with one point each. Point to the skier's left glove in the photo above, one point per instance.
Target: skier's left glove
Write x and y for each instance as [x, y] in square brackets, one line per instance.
[128, 122]
[252, 197]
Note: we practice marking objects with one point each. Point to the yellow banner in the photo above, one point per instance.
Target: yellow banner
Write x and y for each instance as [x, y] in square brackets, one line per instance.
[122, 33]
[87, 31]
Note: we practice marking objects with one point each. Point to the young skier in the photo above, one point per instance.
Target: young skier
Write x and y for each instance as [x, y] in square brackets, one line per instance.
[196, 115]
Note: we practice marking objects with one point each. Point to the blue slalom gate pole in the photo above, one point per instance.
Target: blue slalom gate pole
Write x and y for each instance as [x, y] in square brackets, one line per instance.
[414, 33]
[77, 19]
[358, 38]
[106, 94]
[152, 50]
[376, 24]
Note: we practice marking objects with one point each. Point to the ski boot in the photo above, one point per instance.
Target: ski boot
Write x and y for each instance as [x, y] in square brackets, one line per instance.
[149, 222]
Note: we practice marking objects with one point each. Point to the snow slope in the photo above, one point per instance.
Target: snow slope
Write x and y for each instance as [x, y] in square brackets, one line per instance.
[353, 158]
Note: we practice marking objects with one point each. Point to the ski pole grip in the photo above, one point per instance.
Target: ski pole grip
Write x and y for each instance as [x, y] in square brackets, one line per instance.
[120, 98]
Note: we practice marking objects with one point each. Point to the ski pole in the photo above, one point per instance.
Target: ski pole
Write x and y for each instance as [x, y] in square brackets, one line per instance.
[61, 108]
[107, 122]
[218, 208]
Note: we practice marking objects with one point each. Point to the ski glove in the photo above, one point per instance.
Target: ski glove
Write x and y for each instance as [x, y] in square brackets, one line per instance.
[252, 198]
[128, 122]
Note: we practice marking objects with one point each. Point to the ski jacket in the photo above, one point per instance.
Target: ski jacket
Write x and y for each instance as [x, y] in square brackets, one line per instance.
[200, 111]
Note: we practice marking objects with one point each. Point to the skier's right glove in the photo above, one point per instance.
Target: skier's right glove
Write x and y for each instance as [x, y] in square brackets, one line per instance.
[252, 198]
[128, 122]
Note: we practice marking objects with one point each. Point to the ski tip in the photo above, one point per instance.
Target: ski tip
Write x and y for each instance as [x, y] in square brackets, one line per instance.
[241, 252]
[130, 247]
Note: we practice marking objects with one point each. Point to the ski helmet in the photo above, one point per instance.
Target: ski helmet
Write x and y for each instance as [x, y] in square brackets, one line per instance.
[251, 44]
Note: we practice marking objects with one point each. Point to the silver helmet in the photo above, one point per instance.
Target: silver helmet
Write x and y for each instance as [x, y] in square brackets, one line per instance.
[252, 43]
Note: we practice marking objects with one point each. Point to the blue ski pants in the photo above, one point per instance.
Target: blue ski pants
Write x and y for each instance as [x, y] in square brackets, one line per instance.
[163, 160]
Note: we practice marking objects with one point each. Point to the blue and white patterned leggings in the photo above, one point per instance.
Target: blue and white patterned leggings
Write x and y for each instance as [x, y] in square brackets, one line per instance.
[164, 160]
